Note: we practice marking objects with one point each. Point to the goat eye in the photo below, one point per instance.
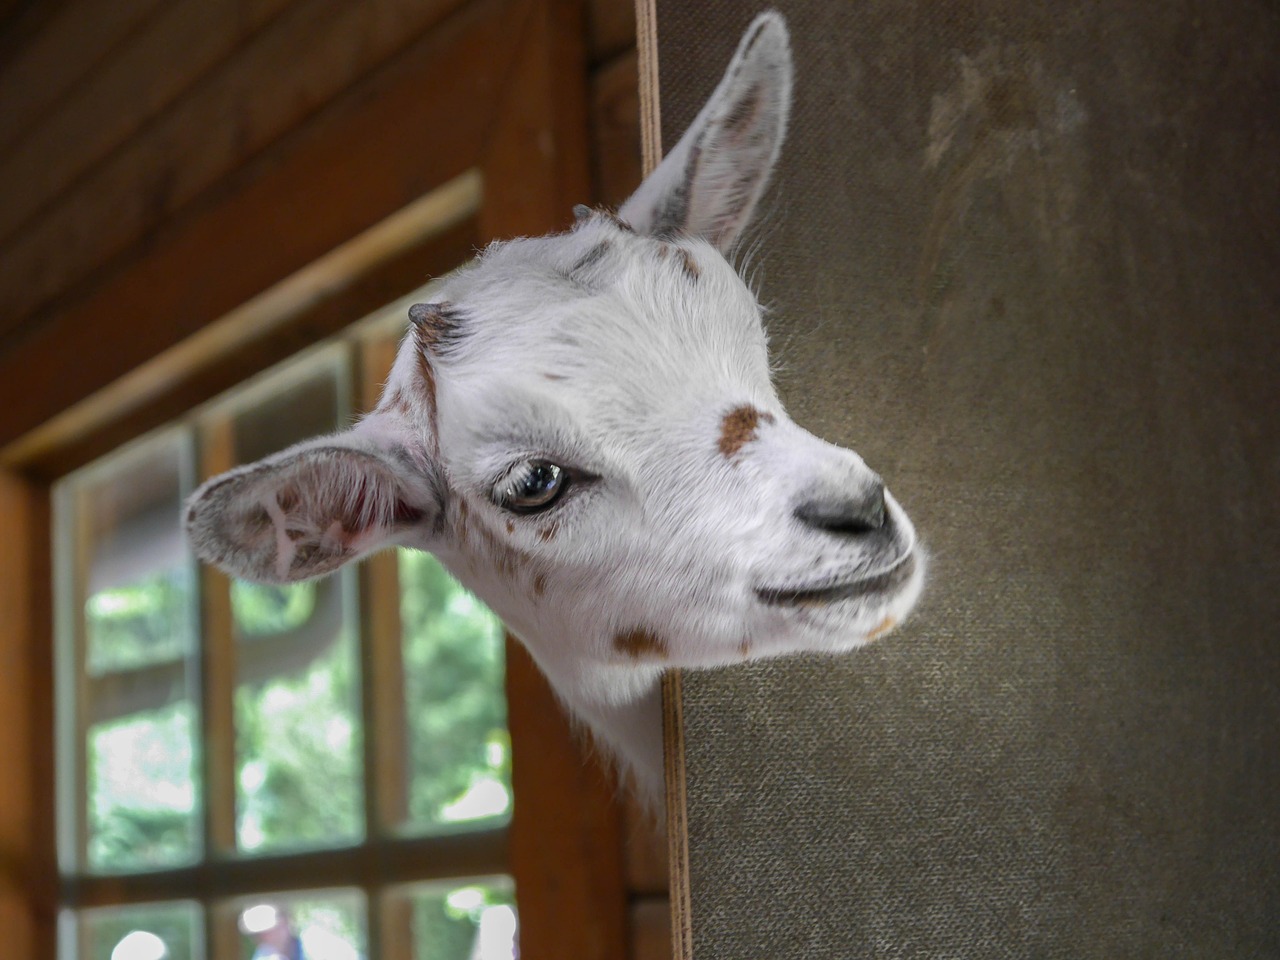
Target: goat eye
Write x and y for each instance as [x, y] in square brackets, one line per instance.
[532, 486]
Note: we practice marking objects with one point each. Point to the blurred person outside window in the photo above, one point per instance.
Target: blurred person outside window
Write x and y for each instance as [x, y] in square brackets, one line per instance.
[140, 945]
[272, 928]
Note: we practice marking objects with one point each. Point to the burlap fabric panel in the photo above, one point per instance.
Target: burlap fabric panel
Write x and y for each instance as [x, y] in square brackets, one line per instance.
[1024, 258]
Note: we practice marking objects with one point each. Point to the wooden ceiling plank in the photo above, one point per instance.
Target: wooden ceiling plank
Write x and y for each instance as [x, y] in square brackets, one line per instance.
[140, 79]
[381, 146]
[59, 55]
[308, 56]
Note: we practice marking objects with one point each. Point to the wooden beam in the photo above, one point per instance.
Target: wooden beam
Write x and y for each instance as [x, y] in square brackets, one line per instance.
[17, 914]
[680, 898]
[381, 146]
[651, 923]
[386, 748]
[316, 51]
[611, 29]
[143, 76]
[426, 239]
[509, 99]
[28, 874]
[371, 866]
[54, 50]
[566, 841]
[615, 129]
[565, 835]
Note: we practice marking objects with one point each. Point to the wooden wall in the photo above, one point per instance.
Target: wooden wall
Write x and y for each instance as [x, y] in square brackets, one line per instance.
[127, 127]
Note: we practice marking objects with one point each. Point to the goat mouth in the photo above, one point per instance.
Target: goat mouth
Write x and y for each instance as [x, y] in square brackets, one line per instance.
[879, 583]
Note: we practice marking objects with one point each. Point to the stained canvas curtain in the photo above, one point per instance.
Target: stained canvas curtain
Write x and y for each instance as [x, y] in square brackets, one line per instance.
[1024, 258]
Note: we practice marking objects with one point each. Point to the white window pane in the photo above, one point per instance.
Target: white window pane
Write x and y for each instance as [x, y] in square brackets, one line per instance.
[127, 640]
[315, 926]
[297, 708]
[170, 931]
[455, 701]
[463, 920]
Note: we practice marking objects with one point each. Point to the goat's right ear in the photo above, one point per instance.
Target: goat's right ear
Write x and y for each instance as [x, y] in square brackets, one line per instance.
[709, 185]
[310, 509]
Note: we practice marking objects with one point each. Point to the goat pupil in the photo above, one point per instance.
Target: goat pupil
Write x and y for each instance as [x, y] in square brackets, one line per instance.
[539, 486]
[539, 480]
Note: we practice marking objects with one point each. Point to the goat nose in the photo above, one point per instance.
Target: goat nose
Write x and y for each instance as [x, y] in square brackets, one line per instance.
[846, 515]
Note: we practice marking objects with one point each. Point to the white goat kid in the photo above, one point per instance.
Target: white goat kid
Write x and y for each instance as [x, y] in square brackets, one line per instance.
[583, 429]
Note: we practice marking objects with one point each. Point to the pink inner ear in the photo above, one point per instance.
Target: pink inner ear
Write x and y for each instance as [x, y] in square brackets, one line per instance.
[367, 507]
[405, 513]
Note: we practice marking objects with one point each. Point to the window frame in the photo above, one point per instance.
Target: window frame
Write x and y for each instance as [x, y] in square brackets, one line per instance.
[564, 843]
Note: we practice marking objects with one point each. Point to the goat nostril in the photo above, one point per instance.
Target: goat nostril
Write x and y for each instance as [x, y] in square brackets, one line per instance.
[846, 515]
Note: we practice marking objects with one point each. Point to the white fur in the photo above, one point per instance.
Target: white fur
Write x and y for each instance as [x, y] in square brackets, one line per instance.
[616, 354]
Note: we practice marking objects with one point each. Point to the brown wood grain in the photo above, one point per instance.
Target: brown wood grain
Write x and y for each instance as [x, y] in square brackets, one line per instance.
[54, 50]
[566, 841]
[507, 82]
[217, 680]
[144, 74]
[313, 53]
[615, 129]
[651, 929]
[680, 905]
[382, 674]
[28, 870]
[646, 852]
[319, 320]
[565, 847]
[681, 899]
[611, 29]
[380, 146]
[17, 716]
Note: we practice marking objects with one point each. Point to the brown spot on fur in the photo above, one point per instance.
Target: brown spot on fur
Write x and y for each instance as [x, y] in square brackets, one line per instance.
[489, 548]
[428, 380]
[539, 584]
[554, 376]
[549, 532]
[885, 625]
[641, 643]
[435, 327]
[689, 265]
[738, 428]
[464, 525]
[505, 559]
[744, 648]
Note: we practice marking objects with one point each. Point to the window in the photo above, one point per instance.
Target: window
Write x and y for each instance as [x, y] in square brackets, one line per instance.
[240, 765]
[338, 208]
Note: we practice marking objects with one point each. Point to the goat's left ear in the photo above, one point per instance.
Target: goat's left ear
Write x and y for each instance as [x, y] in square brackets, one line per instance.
[310, 509]
[709, 185]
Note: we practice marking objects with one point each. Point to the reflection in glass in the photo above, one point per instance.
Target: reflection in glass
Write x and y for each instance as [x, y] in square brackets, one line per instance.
[129, 595]
[168, 931]
[475, 921]
[455, 702]
[327, 927]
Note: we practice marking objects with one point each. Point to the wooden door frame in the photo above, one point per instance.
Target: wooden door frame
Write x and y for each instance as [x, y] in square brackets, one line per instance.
[496, 92]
